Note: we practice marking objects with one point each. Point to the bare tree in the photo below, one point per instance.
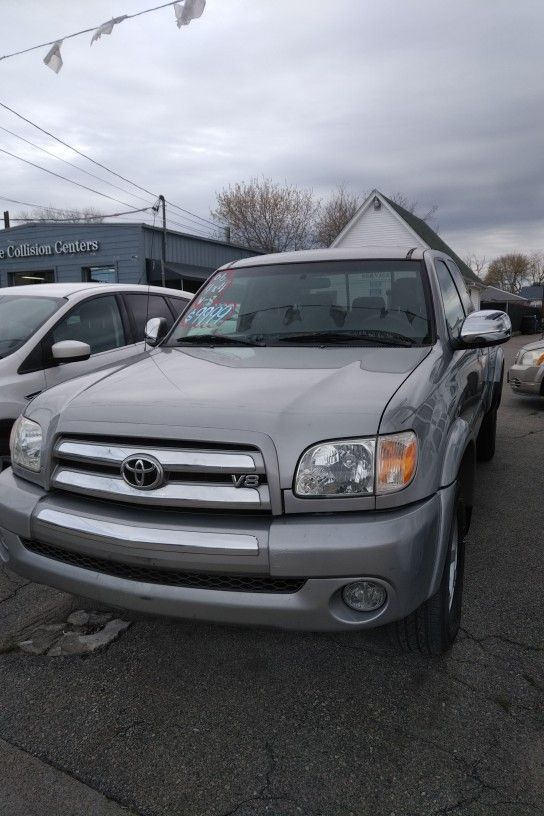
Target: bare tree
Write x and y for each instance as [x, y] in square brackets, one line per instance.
[334, 215]
[508, 272]
[85, 215]
[477, 263]
[413, 206]
[535, 272]
[268, 216]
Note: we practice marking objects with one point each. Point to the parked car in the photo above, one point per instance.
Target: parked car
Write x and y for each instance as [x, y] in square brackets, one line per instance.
[526, 376]
[298, 451]
[39, 324]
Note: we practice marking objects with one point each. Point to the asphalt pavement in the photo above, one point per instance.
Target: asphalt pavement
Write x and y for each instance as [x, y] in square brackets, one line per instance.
[185, 719]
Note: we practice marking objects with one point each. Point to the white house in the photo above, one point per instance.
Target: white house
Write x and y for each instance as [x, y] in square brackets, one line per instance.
[381, 222]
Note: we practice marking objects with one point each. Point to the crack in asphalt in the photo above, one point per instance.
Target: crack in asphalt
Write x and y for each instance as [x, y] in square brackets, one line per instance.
[503, 639]
[265, 794]
[57, 767]
[510, 438]
[15, 591]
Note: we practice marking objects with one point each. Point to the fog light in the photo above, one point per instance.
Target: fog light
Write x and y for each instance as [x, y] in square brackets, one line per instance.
[364, 596]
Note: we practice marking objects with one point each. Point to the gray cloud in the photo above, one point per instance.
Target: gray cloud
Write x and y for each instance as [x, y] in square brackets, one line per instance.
[440, 101]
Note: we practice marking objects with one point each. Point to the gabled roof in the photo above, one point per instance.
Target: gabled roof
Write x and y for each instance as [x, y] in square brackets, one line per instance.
[532, 292]
[414, 226]
[492, 294]
[432, 239]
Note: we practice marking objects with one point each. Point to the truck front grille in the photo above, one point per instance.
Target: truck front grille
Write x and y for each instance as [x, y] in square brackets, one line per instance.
[189, 476]
[167, 577]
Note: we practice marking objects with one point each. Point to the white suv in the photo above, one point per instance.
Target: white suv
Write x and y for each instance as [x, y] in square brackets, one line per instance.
[50, 333]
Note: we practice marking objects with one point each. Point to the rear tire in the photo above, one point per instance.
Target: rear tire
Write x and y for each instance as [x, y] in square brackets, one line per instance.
[432, 628]
[485, 443]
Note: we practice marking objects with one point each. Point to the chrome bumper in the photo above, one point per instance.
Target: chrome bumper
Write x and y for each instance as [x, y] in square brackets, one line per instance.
[402, 549]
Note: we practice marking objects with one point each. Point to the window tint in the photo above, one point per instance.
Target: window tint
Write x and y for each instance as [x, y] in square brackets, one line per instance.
[178, 304]
[461, 287]
[367, 298]
[96, 322]
[141, 312]
[20, 317]
[453, 307]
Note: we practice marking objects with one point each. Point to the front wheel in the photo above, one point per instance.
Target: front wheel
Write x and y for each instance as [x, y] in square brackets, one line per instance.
[432, 628]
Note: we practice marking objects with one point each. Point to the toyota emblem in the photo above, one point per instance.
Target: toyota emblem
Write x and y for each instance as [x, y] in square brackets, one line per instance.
[142, 472]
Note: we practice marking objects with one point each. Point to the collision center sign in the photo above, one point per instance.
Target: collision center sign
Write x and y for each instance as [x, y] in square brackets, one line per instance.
[39, 250]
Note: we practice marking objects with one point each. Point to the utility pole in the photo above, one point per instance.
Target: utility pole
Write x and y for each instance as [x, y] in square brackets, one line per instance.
[163, 243]
[6, 219]
[227, 234]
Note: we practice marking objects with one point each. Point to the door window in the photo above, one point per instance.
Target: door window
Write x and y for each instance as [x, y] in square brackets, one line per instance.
[453, 307]
[459, 281]
[144, 308]
[96, 321]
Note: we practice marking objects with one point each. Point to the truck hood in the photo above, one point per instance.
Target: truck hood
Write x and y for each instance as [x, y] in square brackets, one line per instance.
[293, 395]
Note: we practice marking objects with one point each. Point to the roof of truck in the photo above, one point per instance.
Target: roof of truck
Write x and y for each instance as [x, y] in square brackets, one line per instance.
[312, 255]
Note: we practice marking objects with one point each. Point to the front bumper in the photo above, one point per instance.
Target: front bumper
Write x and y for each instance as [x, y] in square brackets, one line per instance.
[404, 550]
[526, 379]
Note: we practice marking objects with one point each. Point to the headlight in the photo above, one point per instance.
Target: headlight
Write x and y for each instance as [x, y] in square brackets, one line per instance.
[337, 468]
[533, 358]
[26, 444]
[348, 467]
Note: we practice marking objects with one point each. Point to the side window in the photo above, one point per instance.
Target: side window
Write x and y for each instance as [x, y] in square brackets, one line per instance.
[96, 322]
[177, 304]
[141, 311]
[461, 287]
[453, 308]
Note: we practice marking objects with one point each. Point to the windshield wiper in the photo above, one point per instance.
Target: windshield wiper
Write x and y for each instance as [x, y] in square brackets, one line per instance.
[217, 340]
[369, 336]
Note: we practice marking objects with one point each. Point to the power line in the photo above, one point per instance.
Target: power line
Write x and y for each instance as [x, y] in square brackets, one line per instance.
[71, 164]
[26, 204]
[64, 178]
[88, 218]
[85, 31]
[171, 221]
[103, 166]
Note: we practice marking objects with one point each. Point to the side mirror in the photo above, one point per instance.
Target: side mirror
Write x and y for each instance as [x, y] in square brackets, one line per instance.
[484, 328]
[70, 351]
[155, 330]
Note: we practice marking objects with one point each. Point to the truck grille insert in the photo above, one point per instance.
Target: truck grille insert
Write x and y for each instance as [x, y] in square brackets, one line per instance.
[166, 577]
[152, 473]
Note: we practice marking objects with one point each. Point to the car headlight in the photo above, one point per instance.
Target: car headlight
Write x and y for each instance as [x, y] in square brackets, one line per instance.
[535, 357]
[26, 444]
[357, 467]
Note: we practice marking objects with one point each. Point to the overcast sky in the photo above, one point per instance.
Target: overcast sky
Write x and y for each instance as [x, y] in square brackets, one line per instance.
[440, 100]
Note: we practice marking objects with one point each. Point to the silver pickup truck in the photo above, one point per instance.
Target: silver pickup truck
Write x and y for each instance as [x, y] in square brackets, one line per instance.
[298, 451]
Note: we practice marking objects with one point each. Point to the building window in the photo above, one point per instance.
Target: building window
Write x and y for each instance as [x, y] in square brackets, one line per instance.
[100, 274]
[27, 278]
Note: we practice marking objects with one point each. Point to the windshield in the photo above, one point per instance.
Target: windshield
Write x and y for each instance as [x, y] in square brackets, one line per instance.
[371, 302]
[20, 317]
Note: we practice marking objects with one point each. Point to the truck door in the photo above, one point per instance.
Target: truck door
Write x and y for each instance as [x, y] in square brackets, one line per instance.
[468, 367]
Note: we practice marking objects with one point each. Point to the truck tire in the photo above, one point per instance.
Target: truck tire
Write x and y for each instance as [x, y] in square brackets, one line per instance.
[432, 628]
[487, 435]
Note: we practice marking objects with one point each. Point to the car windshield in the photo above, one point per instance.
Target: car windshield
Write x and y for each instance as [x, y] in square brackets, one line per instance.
[20, 317]
[370, 302]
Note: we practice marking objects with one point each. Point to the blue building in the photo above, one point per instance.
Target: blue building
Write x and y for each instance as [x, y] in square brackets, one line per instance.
[109, 252]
